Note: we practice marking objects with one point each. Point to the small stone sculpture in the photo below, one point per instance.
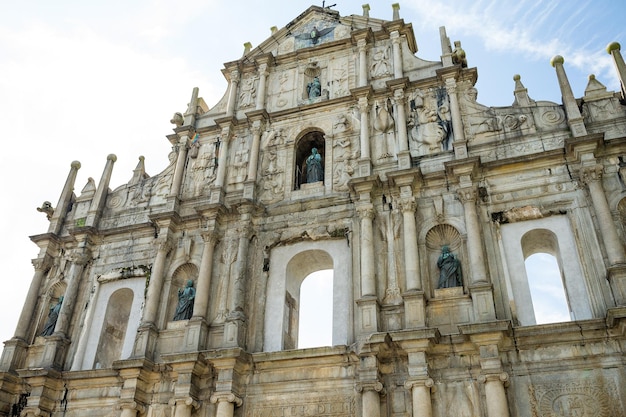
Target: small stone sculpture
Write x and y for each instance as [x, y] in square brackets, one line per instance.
[449, 269]
[314, 88]
[53, 315]
[314, 171]
[46, 207]
[186, 298]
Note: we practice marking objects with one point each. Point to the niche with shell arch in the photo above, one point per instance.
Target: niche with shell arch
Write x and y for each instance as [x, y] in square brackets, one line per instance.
[436, 238]
[55, 291]
[308, 139]
[180, 277]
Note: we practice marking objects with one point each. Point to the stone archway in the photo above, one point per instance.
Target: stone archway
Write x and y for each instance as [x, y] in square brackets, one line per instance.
[290, 265]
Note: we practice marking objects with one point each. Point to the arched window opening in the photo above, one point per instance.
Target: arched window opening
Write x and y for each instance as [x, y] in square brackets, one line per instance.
[545, 279]
[315, 325]
[310, 173]
[113, 331]
[546, 289]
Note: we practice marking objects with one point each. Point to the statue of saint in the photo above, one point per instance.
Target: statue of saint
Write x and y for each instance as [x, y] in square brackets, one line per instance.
[449, 269]
[314, 88]
[186, 298]
[314, 170]
[53, 315]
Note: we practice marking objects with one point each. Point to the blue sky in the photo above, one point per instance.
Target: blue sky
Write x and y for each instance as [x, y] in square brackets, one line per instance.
[80, 80]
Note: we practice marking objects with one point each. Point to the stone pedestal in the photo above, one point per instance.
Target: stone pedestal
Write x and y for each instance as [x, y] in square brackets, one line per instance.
[482, 301]
[365, 167]
[13, 355]
[54, 350]
[617, 278]
[145, 342]
[196, 332]
[369, 313]
[414, 309]
[404, 160]
[248, 190]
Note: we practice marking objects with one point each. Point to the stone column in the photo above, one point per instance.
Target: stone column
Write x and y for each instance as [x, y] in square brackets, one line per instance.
[371, 400]
[184, 406]
[368, 271]
[201, 304]
[223, 157]
[396, 40]
[254, 151]
[399, 97]
[409, 232]
[420, 395]
[181, 160]
[478, 274]
[78, 261]
[613, 49]
[460, 146]
[362, 47]
[365, 127]
[497, 404]
[226, 403]
[26, 317]
[260, 97]
[61, 209]
[232, 92]
[131, 408]
[155, 286]
[97, 203]
[574, 119]
[592, 177]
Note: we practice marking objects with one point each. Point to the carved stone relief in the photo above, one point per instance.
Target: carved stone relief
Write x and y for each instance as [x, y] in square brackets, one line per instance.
[247, 94]
[429, 122]
[384, 124]
[284, 85]
[381, 65]
[240, 158]
[203, 171]
[272, 178]
[460, 399]
[574, 399]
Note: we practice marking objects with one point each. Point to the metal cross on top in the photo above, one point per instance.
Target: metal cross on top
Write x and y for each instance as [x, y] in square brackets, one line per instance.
[327, 7]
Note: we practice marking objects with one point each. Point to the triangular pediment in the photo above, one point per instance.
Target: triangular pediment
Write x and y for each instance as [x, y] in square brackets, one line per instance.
[315, 27]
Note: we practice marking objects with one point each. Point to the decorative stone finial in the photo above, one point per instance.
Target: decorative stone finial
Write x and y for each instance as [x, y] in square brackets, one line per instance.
[366, 10]
[75, 165]
[177, 119]
[557, 59]
[247, 47]
[396, 11]
[516, 77]
[613, 46]
[112, 157]
[273, 29]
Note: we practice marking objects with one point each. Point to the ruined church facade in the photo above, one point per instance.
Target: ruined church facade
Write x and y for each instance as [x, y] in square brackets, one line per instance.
[336, 148]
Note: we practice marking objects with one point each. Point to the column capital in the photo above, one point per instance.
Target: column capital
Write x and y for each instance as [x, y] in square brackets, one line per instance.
[131, 405]
[189, 401]
[210, 237]
[591, 173]
[41, 264]
[467, 194]
[226, 397]
[79, 256]
[362, 386]
[421, 382]
[408, 204]
[164, 244]
[366, 211]
[502, 377]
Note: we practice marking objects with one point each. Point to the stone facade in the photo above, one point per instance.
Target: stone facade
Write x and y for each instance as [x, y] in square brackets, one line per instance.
[410, 163]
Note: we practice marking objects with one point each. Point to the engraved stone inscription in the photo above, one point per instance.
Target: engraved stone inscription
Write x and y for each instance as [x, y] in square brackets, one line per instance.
[328, 406]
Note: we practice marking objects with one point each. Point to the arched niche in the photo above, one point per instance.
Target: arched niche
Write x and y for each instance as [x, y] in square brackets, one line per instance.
[438, 237]
[51, 298]
[308, 140]
[289, 266]
[111, 296]
[180, 277]
[113, 330]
